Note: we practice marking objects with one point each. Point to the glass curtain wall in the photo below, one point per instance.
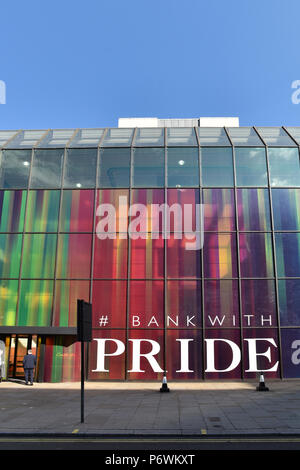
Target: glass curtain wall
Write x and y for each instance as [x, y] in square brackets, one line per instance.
[58, 244]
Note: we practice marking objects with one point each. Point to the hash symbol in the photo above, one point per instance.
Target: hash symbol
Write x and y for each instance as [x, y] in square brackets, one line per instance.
[103, 321]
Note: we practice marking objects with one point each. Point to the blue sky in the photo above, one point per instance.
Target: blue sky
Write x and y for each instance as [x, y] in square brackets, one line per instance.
[85, 63]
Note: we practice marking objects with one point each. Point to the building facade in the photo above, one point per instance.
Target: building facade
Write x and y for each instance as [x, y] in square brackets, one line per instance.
[83, 216]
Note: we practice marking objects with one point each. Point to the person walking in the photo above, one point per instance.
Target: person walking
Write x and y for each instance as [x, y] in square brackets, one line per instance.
[29, 363]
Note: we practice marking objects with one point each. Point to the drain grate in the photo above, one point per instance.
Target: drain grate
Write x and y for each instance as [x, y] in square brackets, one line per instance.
[214, 419]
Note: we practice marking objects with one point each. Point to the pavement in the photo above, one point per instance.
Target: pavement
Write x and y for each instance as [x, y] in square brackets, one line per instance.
[138, 408]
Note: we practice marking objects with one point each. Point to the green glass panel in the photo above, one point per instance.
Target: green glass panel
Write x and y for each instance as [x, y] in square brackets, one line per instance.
[42, 211]
[251, 167]
[284, 166]
[114, 170]
[183, 167]
[15, 168]
[148, 167]
[8, 302]
[217, 166]
[10, 255]
[39, 256]
[47, 168]
[12, 211]
[35, 304]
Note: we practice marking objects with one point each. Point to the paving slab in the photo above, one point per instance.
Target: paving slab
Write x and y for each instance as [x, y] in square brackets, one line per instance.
[137, 408]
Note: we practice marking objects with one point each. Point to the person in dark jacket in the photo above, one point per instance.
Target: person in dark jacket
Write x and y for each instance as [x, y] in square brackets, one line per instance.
[29, 363]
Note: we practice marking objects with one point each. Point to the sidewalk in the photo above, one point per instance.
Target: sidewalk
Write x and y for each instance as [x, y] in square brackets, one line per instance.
[111, 408]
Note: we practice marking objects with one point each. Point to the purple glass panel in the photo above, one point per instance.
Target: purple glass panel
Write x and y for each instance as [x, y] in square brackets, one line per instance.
[184, 354]
[256, 255]
[222, 349]
[219, 210]
[258, 303]
[289, 301]
[221, 303]
[290, 352]
[219, 255]
[184, 304]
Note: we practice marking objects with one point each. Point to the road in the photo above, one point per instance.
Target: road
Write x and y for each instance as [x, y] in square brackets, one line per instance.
[169, 445]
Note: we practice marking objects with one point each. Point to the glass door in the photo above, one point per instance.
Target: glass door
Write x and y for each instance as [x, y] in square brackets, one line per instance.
[19, 345]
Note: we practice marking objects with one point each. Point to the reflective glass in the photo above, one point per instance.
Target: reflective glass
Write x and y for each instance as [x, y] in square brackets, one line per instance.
[153, 211]
[219, 255]
[256, 255]
[74, 256]
[275, 136]
[146, 306]
[289, 301]
[110, 257]
[219, 209]
[109, 304]
[10, 255]
[39, 256]
[251, 167]
[42, 211]
[146, 137]
[217, 167]
[35, 305]
[184, 308]
[181, 136]
[15, 168]
[286, 209]
[213, 136]
[244, 136]
[253, 209]
[284, 166]
[288, 254]
[118, 137]
[258, 303]
[221, 303]
[77, 209]
[148, 167]
[47, 168]
[8, 302]
[183, 210]
[80, 168]
[182, 262]
[147, 257]
[12, 211]
[183, 167]
[114, 170]
[65, 304]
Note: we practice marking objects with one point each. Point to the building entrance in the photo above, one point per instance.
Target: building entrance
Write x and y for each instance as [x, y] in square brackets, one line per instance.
[18, 347]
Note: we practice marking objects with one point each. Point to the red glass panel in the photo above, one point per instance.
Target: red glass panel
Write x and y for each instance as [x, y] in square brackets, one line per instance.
[146, 304]
[109, 304]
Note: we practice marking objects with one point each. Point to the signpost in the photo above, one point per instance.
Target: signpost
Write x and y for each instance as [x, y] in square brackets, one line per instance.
[84, 334]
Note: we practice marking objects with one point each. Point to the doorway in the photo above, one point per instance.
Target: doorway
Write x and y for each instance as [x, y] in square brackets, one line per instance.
[19, 346]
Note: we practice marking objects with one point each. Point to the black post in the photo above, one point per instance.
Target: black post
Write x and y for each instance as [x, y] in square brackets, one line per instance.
[82, 382]
[84, 333]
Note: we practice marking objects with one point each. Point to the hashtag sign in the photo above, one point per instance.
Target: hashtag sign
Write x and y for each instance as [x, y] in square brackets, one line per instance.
[103, 321]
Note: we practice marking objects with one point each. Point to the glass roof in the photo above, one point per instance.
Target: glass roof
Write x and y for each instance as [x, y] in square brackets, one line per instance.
[5, 136]
[56, 138]
[295, 133]
[151, 137]
[244, 137]
[275, 136]
[25, 139]
[181, 136]
[87, 138]
[118, 137]
[213, 136]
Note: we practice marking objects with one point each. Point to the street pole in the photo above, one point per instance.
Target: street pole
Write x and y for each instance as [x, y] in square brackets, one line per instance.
[82, 382]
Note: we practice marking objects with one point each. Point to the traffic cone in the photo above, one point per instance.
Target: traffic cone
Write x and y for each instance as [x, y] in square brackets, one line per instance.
[262, 387]
[164, 387]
